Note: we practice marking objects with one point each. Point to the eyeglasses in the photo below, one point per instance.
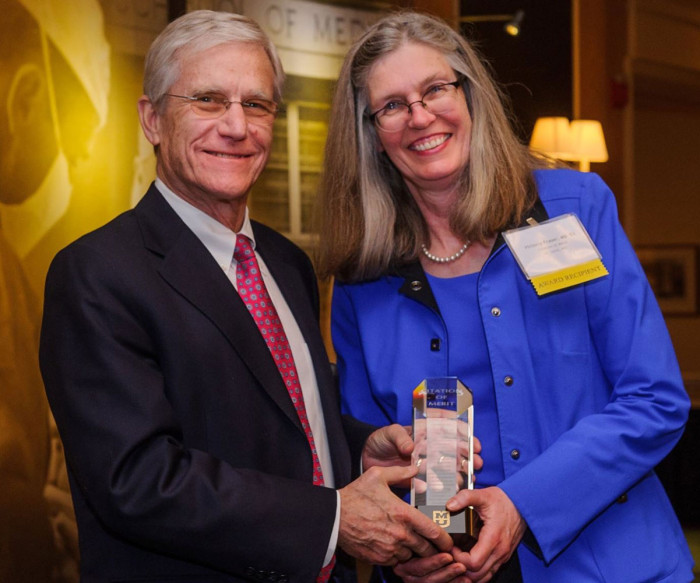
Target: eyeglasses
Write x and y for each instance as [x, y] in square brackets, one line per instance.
[395, 115]
[213, 105]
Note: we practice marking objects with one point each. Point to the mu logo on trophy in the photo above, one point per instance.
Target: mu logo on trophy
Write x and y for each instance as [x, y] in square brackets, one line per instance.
[441, 518]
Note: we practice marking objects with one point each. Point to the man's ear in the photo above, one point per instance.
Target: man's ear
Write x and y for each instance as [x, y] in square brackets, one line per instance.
[27, 98]
[32, 141]
[150, 120]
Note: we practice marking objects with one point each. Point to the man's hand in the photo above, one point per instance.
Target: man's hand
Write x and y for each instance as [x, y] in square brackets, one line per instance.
[388, 446]
[439, 568]
[378, 527]
[393, 446]
[502, 530]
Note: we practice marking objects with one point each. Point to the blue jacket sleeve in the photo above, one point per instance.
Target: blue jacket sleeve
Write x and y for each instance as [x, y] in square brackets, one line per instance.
[635, 379]
[356, 392]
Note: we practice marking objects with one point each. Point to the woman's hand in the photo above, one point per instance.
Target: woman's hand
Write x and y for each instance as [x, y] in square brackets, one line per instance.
[501, 532]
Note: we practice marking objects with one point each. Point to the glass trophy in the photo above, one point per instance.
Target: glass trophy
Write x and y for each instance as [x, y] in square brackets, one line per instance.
[443, 431]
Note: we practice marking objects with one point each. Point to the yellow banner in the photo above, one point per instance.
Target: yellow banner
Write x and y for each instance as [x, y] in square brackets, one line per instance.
[551, 282]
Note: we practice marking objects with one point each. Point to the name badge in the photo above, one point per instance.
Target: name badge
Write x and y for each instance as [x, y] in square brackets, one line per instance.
[555, 254]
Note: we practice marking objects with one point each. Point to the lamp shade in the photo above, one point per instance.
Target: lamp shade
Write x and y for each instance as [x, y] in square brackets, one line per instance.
[552, 136]
[587, 141]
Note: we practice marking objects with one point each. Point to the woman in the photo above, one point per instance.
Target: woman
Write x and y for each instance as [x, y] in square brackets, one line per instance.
[577, 393]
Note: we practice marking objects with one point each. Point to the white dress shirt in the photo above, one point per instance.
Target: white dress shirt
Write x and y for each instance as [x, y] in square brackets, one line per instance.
[220, 241]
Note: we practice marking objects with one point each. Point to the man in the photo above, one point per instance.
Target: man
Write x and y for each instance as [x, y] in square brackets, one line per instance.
[54, 86]
[189, 457]
[43, 133]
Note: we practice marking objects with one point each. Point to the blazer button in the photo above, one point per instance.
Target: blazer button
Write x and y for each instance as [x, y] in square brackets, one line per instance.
[508, 381]
[622, 499]
[495, 311]
[416, 285]
[515, 454]
[435, 344]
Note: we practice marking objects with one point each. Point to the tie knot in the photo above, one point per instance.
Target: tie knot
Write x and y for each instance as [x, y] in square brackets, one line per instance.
[244, 250]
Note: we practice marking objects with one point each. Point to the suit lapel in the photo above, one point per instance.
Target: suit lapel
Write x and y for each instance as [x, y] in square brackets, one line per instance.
[298, 297]
[297, 294]
[182, 256]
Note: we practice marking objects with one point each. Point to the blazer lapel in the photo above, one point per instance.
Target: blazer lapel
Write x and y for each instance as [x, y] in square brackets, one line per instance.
[190, 269]
[304, 307]
[298, 296]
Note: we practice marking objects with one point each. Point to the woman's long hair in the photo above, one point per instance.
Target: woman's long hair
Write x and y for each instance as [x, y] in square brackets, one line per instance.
[369, 222]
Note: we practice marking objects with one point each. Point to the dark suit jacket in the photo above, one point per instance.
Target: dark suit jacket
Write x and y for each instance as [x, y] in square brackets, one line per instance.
[186, 457]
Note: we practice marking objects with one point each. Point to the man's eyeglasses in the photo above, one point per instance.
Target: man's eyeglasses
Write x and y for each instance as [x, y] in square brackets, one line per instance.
[213, 105]
[395, 115]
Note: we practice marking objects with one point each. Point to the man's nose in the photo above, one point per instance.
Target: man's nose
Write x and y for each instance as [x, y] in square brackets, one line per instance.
[234, 119]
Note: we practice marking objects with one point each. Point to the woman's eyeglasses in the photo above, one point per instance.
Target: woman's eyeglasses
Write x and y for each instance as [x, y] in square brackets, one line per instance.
[395, 115]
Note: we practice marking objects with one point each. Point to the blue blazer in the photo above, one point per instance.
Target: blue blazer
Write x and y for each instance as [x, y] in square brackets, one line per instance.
[187, 459]
[588, 391]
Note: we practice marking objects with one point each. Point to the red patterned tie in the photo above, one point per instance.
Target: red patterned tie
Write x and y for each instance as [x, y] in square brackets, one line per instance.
[253, 292]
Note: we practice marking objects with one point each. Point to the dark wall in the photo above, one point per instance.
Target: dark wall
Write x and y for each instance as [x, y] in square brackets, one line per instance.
[680, 473]
[176, 8]
[534, 68]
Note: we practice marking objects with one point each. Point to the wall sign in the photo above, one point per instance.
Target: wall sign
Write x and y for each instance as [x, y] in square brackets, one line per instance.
[311, 38]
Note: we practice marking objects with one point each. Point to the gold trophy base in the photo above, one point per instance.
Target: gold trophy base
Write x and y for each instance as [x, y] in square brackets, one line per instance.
[465, 524]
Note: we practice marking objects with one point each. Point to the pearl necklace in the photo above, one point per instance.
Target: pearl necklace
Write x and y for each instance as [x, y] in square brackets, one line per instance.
[449, 259]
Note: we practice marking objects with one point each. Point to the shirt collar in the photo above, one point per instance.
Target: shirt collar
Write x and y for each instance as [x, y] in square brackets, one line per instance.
[216, 237]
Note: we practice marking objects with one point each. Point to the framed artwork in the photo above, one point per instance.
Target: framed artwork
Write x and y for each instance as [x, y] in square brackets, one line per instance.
[672, 271]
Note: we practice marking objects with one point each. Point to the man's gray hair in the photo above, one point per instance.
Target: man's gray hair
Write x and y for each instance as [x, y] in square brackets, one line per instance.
[195, 32]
